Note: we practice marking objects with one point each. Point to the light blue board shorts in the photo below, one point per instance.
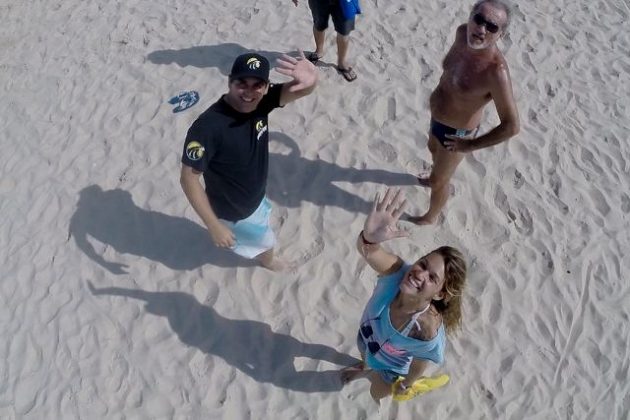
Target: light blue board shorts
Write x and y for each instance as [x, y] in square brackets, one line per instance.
[253, 234]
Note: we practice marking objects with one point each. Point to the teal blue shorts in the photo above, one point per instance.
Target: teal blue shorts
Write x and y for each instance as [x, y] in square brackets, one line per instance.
[253, 234]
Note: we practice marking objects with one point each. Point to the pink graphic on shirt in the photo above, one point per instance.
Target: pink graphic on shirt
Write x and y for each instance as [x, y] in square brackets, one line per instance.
[387, 347]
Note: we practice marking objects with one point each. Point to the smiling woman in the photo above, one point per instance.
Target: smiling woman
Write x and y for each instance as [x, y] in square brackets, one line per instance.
[404, 324]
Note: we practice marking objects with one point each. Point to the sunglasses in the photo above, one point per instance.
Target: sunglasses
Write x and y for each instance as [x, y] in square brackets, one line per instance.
[366, 332]
[480, 20]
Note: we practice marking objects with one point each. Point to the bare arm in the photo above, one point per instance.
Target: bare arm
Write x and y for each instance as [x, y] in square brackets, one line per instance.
[381, 261]
[501, 91]
[88, 249]
[382, 225]
[189, 180]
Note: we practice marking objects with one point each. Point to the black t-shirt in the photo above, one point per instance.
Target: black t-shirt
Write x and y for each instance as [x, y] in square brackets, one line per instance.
[232, 151]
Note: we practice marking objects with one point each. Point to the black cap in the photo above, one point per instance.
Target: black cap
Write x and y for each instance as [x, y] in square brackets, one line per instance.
[250, 65]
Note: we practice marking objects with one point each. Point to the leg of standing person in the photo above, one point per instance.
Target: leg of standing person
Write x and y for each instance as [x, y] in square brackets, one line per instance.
[320, 37]
[343, 42]
[379, 388]
[343, 27]
[444, 165]
[319, 11]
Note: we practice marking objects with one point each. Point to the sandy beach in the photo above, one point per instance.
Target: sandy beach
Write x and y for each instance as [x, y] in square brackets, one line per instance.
[116, 305]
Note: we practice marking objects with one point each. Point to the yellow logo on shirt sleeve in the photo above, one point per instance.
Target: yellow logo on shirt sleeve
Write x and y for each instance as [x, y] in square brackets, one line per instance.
[261, 129]
[194, 150]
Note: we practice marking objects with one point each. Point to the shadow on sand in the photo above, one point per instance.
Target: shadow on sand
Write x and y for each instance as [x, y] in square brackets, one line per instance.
[218, 56]
[293, 179]
[250, 346]
[112, 218]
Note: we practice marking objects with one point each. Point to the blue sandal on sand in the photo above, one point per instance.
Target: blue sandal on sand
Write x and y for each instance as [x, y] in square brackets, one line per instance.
[184, 100]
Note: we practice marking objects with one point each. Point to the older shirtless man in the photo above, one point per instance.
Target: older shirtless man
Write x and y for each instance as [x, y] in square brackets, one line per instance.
[475, 73]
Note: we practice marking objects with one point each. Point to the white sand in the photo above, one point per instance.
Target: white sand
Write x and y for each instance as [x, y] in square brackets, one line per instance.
[89, 194]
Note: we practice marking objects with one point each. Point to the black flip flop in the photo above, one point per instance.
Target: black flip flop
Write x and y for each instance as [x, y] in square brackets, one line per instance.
[348, 74]
[313, 57]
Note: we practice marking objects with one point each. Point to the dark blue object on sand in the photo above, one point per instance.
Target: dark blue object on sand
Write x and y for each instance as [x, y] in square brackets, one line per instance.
[184, 100]
[350, 8]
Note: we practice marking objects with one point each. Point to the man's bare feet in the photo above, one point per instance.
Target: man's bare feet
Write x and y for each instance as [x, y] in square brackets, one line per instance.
[275, 265]
[269, 261]
[422, 220]
[353, 372]
[278, 265]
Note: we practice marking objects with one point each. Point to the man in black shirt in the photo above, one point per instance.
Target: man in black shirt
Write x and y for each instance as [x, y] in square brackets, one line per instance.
[228, 144]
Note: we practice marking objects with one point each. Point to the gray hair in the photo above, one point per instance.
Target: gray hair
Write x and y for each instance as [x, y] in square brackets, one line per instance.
[503, 4]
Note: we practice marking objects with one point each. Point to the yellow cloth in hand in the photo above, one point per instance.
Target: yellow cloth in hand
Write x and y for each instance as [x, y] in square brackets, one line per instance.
[419, 387]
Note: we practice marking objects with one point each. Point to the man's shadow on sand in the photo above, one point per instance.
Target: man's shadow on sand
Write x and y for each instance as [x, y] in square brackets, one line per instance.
[112, 217]
[293, 179]
[250, 346]
[219, 56]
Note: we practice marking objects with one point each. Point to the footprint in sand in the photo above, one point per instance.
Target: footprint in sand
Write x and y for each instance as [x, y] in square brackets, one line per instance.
[391, 109]
[599, 201]
[526, 224]
[385, 151]
[476, 166]
[501, 202]
[7, 185]
[589, 159]
[547, 263]
[495, 308]
[314, 249]
[518, 179]
[487, 393]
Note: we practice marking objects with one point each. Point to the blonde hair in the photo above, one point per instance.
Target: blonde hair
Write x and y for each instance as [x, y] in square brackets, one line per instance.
[450, 307]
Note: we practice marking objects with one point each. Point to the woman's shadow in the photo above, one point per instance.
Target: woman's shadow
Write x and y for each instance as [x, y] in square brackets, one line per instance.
[112, 218]
[250, 346]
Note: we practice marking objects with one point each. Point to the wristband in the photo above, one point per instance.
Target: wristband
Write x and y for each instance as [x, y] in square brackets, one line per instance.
[365, 241]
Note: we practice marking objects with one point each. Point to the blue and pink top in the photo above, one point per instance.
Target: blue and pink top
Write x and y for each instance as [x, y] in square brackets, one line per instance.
[397, 350]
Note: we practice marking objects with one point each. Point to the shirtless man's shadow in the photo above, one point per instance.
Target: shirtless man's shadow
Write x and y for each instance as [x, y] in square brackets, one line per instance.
[293, 179]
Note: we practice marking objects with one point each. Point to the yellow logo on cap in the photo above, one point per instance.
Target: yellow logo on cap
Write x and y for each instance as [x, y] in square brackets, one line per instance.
[253, 63]
[194, 150]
